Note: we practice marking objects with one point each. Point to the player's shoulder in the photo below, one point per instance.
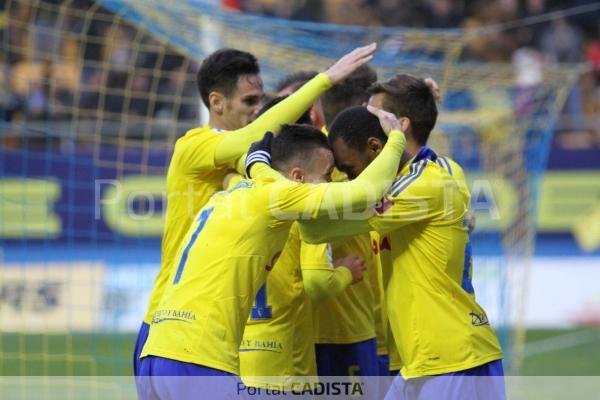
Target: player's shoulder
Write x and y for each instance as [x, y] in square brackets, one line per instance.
[427, 174]
[415, 176]
[451, 166]
[205, 132]
[197, 142]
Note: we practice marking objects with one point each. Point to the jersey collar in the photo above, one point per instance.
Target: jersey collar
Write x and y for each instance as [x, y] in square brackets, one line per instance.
[218, 130]
[424, 153]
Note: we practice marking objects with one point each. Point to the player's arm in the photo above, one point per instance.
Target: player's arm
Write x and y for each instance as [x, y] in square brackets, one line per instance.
[301, 201]
[240, 165]
[305, 201]
[416, 202]
[323, 279]
[327, 230]
[458, 173]
[234, 144]
[419, 201]
[364, 191]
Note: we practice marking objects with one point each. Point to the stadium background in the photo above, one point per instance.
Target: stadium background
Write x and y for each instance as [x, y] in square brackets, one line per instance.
[94, 94]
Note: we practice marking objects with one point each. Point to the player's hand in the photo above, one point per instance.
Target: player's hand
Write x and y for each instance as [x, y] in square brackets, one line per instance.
[388, 121]
[355, 264]
[259, 152]
[435, 89]
[350, 62]
[470, 221]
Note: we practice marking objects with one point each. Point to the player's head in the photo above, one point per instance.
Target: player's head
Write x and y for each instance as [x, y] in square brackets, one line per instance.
[230, 86]
[293, 82]
[353, 91]
[304, 118]
[302, 154]
[407, 96]
[356, 138]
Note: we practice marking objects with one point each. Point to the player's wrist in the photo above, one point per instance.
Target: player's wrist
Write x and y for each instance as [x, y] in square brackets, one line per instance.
[260, 152]
[344, 275]
[324, 79]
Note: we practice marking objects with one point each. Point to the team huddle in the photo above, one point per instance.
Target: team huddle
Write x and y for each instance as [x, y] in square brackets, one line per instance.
[315, 235]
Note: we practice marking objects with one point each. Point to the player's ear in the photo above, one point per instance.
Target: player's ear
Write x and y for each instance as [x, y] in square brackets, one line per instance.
[374, 145]
[316, 116]
[296, 174]
[405, 125]
[216, 101]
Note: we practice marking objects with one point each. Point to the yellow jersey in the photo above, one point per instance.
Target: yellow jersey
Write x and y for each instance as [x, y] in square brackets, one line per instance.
[278, 340]
[191, 179]
[385, 339]
[223, 261]
[225, 255]
[202, 158]
[436, 323]
[349, 317]
[380, 312]
[381, 244]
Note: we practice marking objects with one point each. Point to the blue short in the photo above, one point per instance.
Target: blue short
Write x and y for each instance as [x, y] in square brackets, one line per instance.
[384, 365]
[139, 345]
[160, 366]
[354, 359]
[483, 382]
[163, 378]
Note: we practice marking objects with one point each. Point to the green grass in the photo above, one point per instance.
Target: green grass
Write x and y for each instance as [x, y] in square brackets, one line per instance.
[110, 354]
[77, 354]
[573, 359]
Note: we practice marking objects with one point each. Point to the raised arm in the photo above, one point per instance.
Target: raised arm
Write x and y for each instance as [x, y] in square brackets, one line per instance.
[344, 199]
[300, 201]
[235, 143]
[347, 200]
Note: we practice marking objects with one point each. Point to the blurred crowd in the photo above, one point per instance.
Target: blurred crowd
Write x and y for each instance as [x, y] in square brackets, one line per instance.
[82, 63]
[522, 38]
[563, 39]
[147, 78]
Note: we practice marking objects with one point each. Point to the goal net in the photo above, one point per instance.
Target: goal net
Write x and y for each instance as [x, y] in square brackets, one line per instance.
[94, 94]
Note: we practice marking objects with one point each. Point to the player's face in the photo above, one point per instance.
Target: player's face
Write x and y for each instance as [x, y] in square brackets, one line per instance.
[349, 160]
[320, 168]
[241, 107]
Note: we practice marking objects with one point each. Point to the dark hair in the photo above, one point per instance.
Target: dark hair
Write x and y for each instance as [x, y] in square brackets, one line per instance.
[355, 125]
[295, 80]
[409, 96]
[352, 91]
[304, 118]
[296, 143]
[221, 71]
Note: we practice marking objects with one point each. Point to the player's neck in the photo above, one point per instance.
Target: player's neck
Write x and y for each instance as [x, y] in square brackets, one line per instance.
[411, 150]
[216, 122]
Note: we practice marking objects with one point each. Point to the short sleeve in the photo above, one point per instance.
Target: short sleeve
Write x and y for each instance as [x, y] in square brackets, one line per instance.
[195, 152]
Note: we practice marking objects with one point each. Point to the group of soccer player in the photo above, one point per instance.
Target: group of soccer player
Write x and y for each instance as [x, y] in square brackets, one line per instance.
[315, 235]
